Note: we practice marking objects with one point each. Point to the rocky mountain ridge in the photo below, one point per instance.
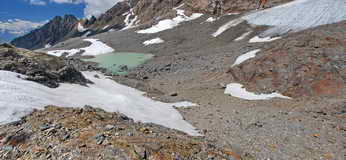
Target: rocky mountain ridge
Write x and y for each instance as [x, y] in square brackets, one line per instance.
[124, 15]
[56, 30]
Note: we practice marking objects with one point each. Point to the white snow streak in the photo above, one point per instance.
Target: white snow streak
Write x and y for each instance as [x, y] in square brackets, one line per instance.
[170, 23]
[153, 41]
[245, 57]
[258, 39]
[237, 90]
[105, 27]
[227, 26]
[244, 35]
[96, 48]
[19, 97]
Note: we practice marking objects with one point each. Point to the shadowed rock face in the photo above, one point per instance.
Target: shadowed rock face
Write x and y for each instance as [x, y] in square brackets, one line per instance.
[310, 63]
[39, 67]
[56, 30]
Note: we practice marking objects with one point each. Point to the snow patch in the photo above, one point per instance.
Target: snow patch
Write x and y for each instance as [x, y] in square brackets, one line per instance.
[80, 28]
[153, 41]
[130, 23]
[237, 90]
[243, 36]
[170, 23]
[258, 39]
[19, 97]
[96, 48]
[105, 27]
[211, 19]
[86, 34]
[299, 15]
[245, 57]
[227, 26]
[48, 45]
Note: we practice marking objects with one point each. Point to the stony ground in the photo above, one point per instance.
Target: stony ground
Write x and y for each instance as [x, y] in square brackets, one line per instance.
[192, 65]
[89, 133]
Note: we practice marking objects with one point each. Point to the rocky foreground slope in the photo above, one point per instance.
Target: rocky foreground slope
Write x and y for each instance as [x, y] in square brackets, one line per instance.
[89, 133]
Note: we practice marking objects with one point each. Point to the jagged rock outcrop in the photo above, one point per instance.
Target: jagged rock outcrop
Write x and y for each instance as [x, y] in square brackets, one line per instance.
[56, 30]
[309, 63]
[89, 133]
[39, 67]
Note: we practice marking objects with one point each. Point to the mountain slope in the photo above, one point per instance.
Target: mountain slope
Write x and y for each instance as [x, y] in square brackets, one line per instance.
[57, 30]
[124, 15]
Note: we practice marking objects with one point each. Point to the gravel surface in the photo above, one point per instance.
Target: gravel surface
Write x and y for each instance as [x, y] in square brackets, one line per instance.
[193, 65]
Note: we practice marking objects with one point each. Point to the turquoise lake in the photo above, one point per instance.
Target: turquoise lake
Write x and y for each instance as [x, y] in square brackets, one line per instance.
[114, 61]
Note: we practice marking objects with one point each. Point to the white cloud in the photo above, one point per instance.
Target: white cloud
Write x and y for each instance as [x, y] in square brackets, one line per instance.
[93, 7]
[37, 2]
[18, 27]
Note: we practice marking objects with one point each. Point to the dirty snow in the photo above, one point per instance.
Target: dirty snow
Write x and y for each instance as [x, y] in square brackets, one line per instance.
[80, 28]
[258, 39]
[243, 36]
[245, 57]
[299, 15]
[96, 48]
[19, 97]
[227, 26]
[153, 41]
[170, 23]
[237, 90]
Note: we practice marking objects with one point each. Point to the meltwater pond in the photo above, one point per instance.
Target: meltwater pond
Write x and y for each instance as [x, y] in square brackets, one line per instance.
[120, 62]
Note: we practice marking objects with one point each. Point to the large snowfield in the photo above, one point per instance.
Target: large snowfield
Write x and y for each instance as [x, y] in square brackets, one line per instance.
[299, 15]
[96, 48]
[19, 97]
[295, 16]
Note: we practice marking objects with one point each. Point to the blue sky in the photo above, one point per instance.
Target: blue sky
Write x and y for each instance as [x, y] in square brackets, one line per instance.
[22, 9]
[18, 17]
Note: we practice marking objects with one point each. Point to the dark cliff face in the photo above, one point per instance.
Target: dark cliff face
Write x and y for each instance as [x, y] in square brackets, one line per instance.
[56, 30]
